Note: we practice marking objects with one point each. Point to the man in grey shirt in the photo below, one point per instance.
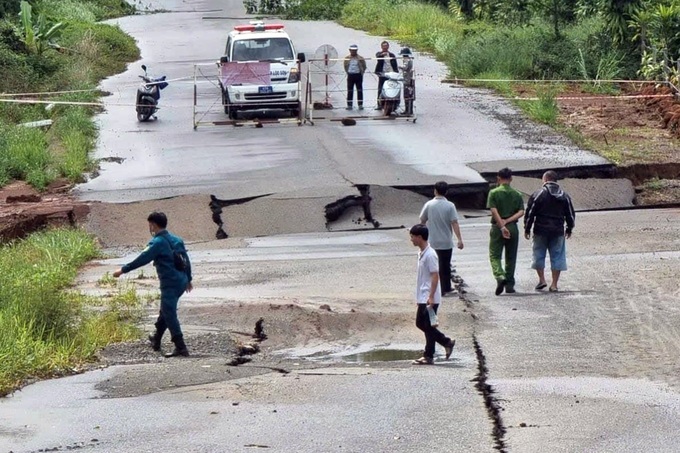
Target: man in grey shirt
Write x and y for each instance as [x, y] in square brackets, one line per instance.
[441, 218]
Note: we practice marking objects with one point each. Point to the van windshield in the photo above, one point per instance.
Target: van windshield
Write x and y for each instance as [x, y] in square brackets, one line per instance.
[262, 49]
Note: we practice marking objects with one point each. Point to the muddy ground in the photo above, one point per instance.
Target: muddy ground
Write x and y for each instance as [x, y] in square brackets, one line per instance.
[640, 135]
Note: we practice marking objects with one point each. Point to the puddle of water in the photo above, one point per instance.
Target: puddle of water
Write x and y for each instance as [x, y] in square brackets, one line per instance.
[357, 354]
[381, 355]
[366, 353]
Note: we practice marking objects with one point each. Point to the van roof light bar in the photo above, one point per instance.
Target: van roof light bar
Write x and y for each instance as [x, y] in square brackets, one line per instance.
[258, 26]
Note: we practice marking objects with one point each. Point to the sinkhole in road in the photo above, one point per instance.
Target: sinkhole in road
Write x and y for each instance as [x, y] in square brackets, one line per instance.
[592, 188]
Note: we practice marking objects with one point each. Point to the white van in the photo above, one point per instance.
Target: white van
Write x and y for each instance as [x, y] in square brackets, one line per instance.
[258, 47]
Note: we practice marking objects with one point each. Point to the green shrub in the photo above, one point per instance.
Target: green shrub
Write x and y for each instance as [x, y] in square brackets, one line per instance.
[71, 10]
[10, 37]
[314, 9]
[488, 53]
[46, 66]
[8, 7]
[364, 15]
[44, 328]
[76, 133]
[107, 9]
[104, 49]
[474, 48]
[544, 110]
[4, 175]
[555, 58]
[25, 155]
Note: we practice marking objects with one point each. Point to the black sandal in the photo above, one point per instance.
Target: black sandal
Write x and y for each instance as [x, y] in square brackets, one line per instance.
[423, 361]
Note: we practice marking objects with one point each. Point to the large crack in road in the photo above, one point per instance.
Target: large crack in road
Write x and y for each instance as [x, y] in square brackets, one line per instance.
[485, 389]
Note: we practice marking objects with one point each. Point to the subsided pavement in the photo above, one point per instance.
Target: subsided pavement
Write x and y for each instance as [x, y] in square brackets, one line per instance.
[590, 368]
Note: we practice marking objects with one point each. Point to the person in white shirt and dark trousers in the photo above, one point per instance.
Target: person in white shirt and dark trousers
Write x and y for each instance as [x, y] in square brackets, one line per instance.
[355, 66]
[441, 217]
[428, 295]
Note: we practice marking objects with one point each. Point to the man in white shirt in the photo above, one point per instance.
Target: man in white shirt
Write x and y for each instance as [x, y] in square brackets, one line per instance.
[441, 218]
[428, 295]
[355, 66]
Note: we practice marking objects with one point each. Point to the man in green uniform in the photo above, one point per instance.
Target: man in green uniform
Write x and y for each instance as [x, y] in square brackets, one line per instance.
[507, 207]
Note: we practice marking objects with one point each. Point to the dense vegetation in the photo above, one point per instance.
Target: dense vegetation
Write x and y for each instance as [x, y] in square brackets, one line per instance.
[520, 39]
[55, 46]
[46, 330]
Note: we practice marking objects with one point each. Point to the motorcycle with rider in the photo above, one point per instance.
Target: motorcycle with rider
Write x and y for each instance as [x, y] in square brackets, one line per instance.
[396, 82]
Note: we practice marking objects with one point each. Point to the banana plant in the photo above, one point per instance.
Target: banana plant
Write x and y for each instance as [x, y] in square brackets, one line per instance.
[37, 33]
[658, 30]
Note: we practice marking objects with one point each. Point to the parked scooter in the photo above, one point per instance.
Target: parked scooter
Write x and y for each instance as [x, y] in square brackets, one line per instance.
[390, 96]
[148, 95]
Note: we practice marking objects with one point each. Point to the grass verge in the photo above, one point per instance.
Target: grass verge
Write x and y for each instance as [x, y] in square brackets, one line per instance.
[475, 51]
[89, 51]
[46, 329]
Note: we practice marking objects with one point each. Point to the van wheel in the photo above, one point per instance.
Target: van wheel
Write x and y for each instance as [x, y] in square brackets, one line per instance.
[225, 102]
[233, 113]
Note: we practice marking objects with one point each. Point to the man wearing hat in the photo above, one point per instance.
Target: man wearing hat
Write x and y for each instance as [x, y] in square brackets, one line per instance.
[355, 66]
[409, 82]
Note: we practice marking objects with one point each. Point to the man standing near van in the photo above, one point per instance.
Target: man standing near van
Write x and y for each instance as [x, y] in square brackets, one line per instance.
[507, 207]
[383, 56]
[355, 66]
[174, 282]
[548, 209]
[441, 218]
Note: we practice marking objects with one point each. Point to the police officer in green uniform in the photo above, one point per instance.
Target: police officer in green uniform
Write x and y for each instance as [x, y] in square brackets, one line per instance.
[507, 207]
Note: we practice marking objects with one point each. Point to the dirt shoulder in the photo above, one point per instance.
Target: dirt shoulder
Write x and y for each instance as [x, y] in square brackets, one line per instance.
[638, 130]
[24, 210]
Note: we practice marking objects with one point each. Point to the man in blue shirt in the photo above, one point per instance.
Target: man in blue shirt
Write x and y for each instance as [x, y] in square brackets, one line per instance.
[162, 250]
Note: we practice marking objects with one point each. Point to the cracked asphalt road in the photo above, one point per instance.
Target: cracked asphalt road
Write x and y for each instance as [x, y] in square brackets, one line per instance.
[591, 368]
[463, 128]
[588, 369]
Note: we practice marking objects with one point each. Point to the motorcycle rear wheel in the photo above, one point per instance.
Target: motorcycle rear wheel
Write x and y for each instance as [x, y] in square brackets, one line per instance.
[388, 108]
[144, 112]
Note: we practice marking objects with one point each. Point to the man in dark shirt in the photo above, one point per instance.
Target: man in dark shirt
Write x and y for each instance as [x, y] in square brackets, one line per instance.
[548, 209]
[173, 281]
[382, 56]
